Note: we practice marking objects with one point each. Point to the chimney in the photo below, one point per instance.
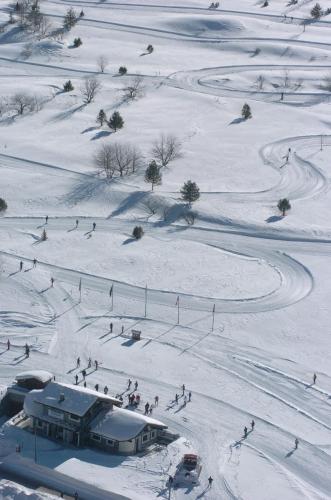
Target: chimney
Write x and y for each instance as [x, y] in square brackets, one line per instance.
[61, 398]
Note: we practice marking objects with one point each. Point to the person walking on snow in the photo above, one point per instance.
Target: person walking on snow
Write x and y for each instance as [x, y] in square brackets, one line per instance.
[21, 265]
[129, 383]
[34, 262]
[185, 400]
[176, 398]
[46, 219]
[89, 364]
[296, 443]
[111, 327]
[183, 389]
[135, 385]
[189, 396]
[245, 431]
[27, 351]
[146, 408]
[76, 378]
[84, 374]
[210, 481]
[105, 390]
[314, 378]
[52, 282]
[8, 345]
[94, 226]
[252, 424]
[78, 362]
[77, 222]
[96, 364]
[156, 400]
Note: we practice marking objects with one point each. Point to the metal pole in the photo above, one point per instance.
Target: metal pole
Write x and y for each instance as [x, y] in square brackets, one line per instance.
[35, 442]
[212, 326]
[145, 301]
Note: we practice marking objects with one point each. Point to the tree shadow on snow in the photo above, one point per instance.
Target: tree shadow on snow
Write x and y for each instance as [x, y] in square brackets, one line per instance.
[273, 218]
[236, 121]
[129, 240]
[100, 135]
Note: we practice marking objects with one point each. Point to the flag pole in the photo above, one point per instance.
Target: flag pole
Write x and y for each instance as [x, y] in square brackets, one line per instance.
[212, 326]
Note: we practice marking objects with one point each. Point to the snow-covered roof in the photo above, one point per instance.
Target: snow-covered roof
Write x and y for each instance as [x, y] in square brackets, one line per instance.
[121, 425]
[77, 400]
[41, 375]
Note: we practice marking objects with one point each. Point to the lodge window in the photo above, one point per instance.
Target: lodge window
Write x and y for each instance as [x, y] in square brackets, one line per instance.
[74, 418]
[153, 434]
[110, 442]
[95, 437]
[145, 437]
[39, 423]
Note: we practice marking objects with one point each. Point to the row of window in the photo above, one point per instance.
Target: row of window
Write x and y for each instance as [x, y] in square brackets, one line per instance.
[97, 438]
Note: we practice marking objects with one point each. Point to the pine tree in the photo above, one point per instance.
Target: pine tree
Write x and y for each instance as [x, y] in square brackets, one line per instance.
[150, 49]
[70, 19]
[316, 12]
[101, 118]
[44, 235]
[246, 112]
[284, 205]
[138, 232]
[116, 122]
[3, 205]
[68, 86]
[190, 192]
[77, 42]
[153, 174]
[122, 70]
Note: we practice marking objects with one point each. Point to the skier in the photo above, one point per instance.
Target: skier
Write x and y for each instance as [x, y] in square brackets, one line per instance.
[8, 345]
[84, 374]
[189, 396]
[94, 226]
[129, 383]
[52, 282]
[34, 262]
[296, 443]
[183, 389]
[105, 390]
[210, 481]
[252, 424]
[245, 431]
[96, 387]
[111, 327]
[21, 265]
[46, 219]
[77, 222]
[135, 385]
[156, 400]
[96, 364]
[314, 378]
[78, 362]
[176, 399]
[146, 408]
[76, 378]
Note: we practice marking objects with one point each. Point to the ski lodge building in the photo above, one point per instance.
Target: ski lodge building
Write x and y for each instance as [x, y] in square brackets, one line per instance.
[83, 417]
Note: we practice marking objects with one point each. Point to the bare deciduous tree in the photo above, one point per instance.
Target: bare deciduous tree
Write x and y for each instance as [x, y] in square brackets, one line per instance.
[22, 102]
[134, 89]
[166, 149]
[102, 63]
[117, 158]
[90, 89]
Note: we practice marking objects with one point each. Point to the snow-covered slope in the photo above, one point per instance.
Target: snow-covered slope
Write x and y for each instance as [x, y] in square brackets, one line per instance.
[234, 306]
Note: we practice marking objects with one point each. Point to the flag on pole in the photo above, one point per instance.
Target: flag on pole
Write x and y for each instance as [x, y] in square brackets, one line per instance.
[111, 291]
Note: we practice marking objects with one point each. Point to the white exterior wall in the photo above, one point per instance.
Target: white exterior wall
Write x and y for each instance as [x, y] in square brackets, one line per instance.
[127, 446]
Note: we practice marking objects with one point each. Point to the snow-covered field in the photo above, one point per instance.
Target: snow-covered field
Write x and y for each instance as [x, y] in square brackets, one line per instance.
[267, 276]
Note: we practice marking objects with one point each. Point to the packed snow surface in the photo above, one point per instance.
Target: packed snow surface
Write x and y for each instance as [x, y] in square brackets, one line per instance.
[232, 297]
